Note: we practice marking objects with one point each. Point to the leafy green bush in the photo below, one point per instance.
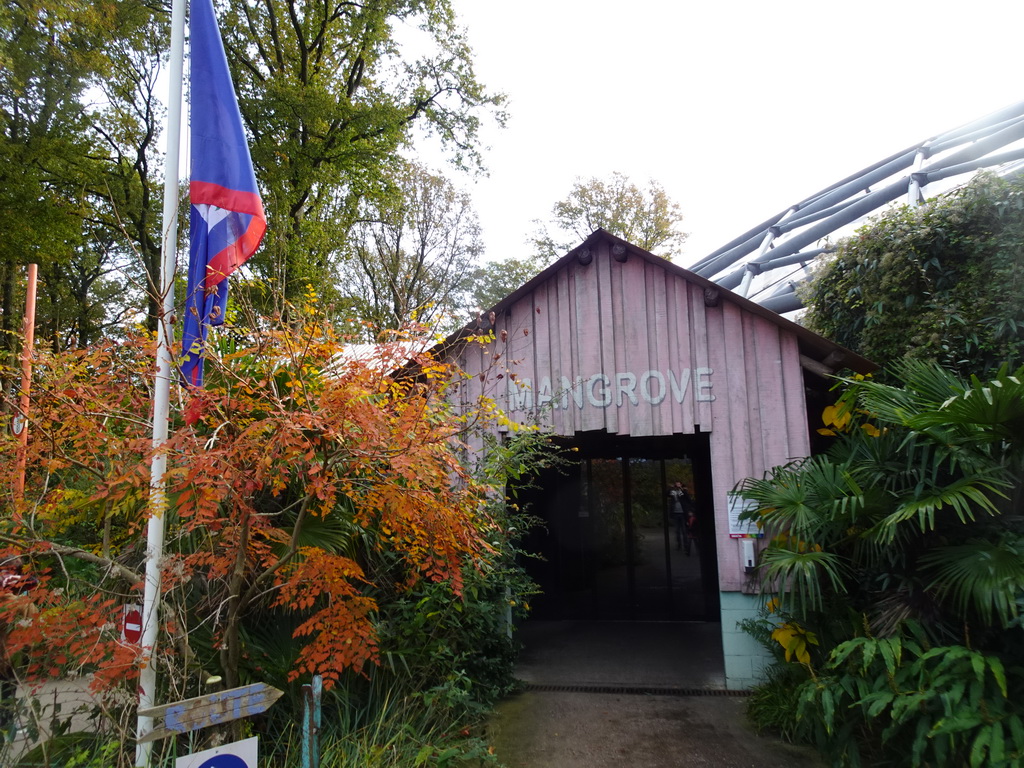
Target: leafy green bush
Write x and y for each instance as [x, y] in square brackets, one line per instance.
[445, 658]
[382, 726]
[944, 281]
[896, 570]
[462, 646]
[772, 706]
[915, 705]
[73, 750]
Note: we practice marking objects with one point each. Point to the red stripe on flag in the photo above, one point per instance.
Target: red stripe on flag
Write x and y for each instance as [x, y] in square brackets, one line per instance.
[231, 258]
[205, 192]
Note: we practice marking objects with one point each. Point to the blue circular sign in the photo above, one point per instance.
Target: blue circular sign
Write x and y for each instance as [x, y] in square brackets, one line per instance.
[225, 761]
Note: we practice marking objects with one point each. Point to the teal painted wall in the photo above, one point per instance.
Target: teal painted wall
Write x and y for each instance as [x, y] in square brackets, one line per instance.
[745, 658]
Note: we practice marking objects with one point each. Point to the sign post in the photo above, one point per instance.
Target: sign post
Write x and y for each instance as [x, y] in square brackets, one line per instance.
[311, 716]
[20, 423]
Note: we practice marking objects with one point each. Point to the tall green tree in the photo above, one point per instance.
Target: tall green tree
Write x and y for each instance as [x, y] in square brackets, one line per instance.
[407, 255]
[54, 179]
[40, 129]
[331, 96]
[944, 281]
[331, 93]
[647, 217]
[127, 190]
[488, 283]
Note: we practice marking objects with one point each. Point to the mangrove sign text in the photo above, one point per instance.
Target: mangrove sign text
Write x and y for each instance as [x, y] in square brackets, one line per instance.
[603, 391]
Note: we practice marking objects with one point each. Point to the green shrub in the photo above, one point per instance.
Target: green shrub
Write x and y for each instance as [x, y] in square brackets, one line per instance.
[896, 565]
[773, 706]
[942, 281]
[915, 705]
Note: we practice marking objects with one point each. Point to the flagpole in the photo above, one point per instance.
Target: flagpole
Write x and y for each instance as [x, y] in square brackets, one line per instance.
[26, 387]
[162, 386]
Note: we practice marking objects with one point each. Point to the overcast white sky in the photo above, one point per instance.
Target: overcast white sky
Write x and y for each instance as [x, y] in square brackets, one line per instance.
[737, 108]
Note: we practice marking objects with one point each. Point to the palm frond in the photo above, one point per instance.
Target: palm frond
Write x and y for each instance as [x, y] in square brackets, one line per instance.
[988, 409]
[981, 576]
[799, 576]
[929, 383]
[334, 532]
[964, 497]
[890, 613]
[926, 387]
[804, 498]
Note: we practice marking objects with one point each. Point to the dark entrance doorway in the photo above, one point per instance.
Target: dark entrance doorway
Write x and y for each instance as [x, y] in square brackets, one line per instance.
[608, 548]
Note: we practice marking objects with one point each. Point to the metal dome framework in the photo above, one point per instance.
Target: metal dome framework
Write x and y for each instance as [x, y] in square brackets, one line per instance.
[767, 263]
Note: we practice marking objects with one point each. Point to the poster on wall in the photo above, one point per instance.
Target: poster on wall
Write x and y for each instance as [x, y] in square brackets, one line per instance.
[742, 529]
[240, 754]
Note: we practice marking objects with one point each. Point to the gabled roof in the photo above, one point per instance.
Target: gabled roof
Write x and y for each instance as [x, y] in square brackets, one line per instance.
[817, 353]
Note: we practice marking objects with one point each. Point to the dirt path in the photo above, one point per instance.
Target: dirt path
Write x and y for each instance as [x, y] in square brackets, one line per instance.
[600, 730]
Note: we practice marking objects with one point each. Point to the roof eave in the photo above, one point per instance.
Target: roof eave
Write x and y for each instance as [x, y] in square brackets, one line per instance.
[818, 354]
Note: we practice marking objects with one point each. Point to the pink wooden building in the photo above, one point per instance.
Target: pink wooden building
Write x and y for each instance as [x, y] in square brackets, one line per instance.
[650, 375]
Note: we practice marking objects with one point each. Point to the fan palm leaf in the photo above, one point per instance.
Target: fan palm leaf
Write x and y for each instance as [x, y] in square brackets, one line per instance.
[926, 386]
[983, 577]
[804, 499]
[964, 497]
[878, 524]
[986, 411]
[799, 576]
[333, 532]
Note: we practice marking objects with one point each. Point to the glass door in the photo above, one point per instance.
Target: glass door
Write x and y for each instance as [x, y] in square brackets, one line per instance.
[610, 549]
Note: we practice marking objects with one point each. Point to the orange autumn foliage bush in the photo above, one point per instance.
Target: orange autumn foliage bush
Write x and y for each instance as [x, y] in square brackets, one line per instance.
[298, 461]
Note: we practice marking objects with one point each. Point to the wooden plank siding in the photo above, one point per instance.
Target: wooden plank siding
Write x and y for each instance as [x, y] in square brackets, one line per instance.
[638, 325]
[605, 321]
[545, 360]
[681, 330]
[643, 348]
[799, 440]
[561, 346]
[657, 343]
[700, 346]
[591, 345]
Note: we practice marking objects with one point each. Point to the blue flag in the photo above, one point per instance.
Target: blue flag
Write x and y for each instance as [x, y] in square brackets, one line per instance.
[227, 221]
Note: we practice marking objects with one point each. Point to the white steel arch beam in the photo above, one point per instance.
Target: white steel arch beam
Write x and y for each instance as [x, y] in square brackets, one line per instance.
[993, 141]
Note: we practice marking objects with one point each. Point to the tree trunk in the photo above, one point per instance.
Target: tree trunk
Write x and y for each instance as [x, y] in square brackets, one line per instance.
[231, 651]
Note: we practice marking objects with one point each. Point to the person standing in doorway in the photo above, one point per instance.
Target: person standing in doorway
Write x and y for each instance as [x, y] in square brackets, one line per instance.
[678, 503]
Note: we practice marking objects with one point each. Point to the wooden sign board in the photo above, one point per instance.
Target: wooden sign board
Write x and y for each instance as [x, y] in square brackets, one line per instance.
[211, 709]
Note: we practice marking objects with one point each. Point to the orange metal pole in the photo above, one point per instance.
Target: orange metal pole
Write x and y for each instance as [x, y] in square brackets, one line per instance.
[26, 385]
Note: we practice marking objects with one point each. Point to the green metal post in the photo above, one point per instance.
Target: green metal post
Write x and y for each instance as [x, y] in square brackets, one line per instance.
[311, 718]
